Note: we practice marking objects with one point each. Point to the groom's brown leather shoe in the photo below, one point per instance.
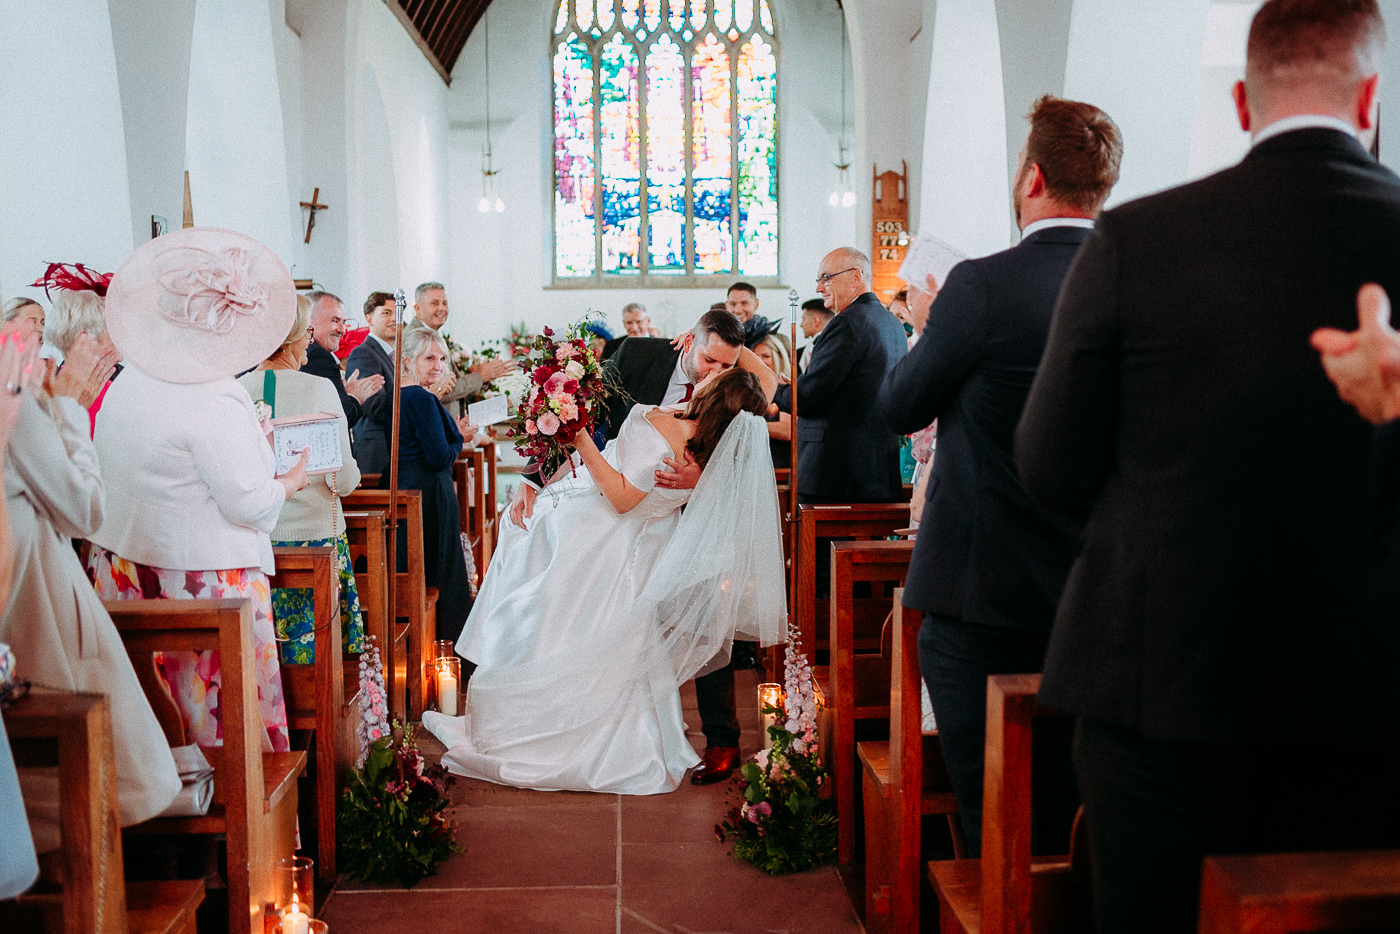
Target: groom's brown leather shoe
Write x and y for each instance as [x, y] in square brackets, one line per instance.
[718, 763]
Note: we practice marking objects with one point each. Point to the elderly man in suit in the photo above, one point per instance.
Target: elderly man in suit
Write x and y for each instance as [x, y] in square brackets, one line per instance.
[430, 311]
[845, 451]
[327, 328]
[1214, 638]
[375, 357]
[988, 566]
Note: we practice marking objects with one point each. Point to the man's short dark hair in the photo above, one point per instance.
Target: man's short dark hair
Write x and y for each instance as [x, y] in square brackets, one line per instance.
[1292, 39]
[816, 306]
[721, 324]
[742, 287]
[375, 300]
[1078, 149]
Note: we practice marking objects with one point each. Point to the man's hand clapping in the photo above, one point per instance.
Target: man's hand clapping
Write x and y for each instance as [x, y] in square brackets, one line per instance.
[490, 370]
[363, 387]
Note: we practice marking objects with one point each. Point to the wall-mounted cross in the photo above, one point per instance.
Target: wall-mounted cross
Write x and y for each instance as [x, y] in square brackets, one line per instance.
[314, 207]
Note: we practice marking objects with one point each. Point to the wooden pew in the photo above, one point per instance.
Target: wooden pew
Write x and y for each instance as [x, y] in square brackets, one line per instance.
[857, 684]
[1299, 893]
[415, 602]
[74, 733]
[483, 458]
[367, 532]
[255, 793]
[860, 521]
[1008, 891]
[315, 694]
[904, 780]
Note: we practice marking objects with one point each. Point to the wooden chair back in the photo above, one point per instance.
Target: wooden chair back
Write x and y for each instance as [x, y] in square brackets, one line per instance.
[315, 694]
[1007, 891]
[367, 533]
[415, 609]
[904, 780]
[859, 521]
[1301, 893]
[857, 682]
[74, 733]
[254, 792]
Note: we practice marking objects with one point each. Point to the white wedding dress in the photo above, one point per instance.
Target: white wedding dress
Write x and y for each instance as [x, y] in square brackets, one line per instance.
[588, 622]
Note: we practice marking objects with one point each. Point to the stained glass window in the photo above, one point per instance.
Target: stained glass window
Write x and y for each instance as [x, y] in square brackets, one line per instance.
[665, 140]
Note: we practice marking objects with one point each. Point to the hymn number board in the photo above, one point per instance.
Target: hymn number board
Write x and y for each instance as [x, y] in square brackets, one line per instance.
[890, 241]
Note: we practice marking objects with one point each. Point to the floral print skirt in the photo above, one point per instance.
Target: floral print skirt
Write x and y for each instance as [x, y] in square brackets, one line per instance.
[293, 610]
[193, 677]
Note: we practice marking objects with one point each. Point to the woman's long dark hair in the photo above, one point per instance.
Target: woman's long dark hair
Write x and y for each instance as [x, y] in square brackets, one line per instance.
[713, 408]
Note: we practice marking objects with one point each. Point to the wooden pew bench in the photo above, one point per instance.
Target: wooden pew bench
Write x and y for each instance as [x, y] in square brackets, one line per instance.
[316, 694]
[1300, 893]
[1008, 891]
[74, 733]
[415, 603]
[367, 532]
[856, 685]
[904, 780]
[255, 793]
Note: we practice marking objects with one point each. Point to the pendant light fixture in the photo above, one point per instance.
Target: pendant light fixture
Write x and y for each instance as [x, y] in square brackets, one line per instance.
[842, 195]
[488, 169]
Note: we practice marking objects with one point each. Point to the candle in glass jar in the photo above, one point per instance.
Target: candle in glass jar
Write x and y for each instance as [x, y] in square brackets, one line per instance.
[447, 690]
[769, 695]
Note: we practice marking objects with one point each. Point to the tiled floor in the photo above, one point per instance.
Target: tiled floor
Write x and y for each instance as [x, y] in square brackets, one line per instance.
[579, 863]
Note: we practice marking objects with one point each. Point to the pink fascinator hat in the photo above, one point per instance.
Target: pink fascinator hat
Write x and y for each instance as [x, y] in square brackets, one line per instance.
[200, 304]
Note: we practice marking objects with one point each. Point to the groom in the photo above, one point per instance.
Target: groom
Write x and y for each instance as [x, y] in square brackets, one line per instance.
[651, 371]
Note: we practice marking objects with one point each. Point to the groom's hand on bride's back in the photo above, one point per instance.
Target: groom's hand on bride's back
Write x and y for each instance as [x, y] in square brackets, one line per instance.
[522, 504]
[682, 475]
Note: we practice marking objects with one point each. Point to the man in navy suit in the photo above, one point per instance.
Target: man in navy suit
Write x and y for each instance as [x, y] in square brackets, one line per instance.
[988, 566]
[327, 328]
[1233, 691]
[845, 451]
[375, 357]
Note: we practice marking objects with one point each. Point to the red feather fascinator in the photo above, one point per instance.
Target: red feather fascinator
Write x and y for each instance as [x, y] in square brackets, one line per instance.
[72, 277]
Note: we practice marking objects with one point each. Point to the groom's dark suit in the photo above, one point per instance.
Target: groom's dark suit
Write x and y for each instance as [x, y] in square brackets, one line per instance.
[1213, 637]
[372, 431]
[641, 367]
[988, 566]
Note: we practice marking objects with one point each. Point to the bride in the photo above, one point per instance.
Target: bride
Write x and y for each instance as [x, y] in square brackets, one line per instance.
[588, 623]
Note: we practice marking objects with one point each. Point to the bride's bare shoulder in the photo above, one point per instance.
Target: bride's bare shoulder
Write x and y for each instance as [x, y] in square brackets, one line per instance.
[676, 431]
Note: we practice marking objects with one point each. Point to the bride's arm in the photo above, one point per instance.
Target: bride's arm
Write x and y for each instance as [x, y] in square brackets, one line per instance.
[767, 379]
[611, 482]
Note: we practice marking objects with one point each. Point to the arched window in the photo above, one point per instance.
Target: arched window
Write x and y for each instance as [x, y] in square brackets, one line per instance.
[665, 141]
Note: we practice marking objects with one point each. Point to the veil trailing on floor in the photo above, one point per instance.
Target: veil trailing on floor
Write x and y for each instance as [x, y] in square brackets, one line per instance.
[720, 577]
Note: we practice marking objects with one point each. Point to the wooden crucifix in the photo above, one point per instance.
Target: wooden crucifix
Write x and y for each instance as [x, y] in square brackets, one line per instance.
[314, 206]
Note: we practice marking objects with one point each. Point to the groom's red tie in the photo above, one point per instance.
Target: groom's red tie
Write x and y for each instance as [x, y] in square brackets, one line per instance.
[689, 391]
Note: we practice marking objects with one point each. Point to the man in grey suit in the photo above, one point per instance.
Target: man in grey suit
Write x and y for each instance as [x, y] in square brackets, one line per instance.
[989, 566]
[430, 311]
[1233, 691]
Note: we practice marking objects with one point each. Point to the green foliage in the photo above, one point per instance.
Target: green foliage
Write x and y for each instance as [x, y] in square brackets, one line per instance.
[393, 819]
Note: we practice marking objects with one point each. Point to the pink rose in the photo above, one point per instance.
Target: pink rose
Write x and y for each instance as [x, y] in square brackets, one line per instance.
[555, 383]
[530, 427]
[548, 423]
[573, 369]
[565, 351]
[568, 411]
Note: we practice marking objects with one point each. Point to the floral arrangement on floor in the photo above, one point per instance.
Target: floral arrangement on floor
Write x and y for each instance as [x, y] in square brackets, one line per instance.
[393, 821]
[783, 823]
[566, 387]
[374, 700]
[519, 341]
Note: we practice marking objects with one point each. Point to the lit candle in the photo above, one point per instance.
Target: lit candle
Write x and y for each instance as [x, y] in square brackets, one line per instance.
[295, 921]
[447, 690]
[769, 696]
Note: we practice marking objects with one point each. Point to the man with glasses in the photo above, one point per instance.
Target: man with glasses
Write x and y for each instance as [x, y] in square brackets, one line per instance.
[845, 451]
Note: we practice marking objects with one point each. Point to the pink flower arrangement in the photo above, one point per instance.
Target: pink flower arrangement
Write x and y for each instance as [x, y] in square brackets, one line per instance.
[566, 388]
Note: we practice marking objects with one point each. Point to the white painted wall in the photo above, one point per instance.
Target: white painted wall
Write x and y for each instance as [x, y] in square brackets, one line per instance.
[64, 194]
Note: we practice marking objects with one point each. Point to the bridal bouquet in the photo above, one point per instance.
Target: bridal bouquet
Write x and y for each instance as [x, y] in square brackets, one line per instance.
[783, 823]
[393, 819]
[566, 386]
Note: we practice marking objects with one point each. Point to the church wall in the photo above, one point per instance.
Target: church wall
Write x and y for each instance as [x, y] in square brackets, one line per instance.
[64, 192]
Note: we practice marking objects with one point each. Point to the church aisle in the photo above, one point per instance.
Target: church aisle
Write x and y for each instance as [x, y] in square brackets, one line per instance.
[579, 863]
